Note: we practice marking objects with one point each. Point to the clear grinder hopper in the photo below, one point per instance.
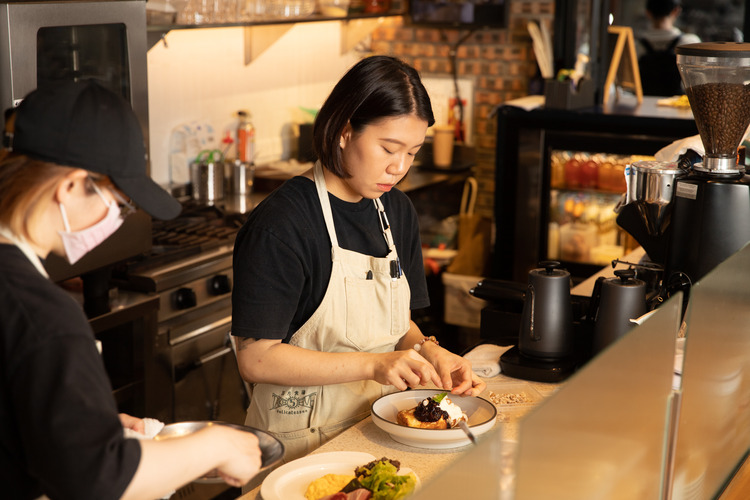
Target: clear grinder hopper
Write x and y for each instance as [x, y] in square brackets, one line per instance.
[716, 78]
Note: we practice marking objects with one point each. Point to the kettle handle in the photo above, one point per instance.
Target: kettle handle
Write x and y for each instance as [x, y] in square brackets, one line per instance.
[596, 296]
[493, 289]
[532, 303]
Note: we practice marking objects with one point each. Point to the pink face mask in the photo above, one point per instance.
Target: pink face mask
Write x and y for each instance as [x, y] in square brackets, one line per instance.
[79, 243]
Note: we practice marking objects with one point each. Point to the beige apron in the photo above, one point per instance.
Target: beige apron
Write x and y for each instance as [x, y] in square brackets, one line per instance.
[356, 314]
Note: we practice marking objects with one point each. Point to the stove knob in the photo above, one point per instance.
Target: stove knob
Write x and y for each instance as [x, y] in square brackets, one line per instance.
[184, 298]
[219, 285]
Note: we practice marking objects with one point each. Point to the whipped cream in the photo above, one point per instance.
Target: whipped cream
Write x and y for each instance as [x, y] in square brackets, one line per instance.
[455, 414]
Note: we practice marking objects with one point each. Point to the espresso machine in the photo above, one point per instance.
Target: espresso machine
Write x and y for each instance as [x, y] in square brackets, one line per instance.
[689, 215]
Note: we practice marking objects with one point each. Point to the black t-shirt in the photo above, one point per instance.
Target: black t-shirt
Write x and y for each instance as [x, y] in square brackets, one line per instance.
[60, 434]
[282, 255]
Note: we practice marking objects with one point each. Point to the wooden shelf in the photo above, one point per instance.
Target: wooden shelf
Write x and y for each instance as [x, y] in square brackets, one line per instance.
[259, 35]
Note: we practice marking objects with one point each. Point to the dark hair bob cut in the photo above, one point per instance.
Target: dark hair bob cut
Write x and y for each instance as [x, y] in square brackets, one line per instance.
[376, 87]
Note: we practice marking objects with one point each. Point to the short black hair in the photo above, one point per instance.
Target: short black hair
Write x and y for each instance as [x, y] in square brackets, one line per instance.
[662, 8]
[376, 87]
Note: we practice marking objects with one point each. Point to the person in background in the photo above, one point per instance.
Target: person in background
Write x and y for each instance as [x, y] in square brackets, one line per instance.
[657, 61]
[77, 155]
[328, 266]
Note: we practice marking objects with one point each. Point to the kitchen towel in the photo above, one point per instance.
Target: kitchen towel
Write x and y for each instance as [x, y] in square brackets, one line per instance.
[152, 428]
[485, 359]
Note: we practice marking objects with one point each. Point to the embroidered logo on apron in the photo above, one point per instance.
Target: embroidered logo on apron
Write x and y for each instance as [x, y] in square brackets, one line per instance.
[293, 402]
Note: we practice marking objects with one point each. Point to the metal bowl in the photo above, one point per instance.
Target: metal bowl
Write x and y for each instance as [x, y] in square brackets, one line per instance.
[272, 450]
[482, 415]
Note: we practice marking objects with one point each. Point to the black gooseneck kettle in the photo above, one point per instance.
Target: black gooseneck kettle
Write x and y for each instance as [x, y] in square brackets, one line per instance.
[547, 316]
[615, 301]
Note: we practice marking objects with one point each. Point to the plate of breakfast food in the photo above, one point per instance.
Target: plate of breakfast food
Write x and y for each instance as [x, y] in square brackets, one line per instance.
[429, 418]
[351, 473]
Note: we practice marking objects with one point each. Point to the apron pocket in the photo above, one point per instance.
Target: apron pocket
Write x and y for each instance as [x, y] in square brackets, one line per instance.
[366, 328]
[400, 298]
[298, 443]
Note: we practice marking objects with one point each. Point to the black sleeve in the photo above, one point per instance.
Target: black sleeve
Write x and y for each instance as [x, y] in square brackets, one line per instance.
[67, 420]
[71, 431]
[268, 280]
[281, 263]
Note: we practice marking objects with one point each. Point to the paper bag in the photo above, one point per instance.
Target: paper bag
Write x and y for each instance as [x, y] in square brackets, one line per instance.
[473, 241]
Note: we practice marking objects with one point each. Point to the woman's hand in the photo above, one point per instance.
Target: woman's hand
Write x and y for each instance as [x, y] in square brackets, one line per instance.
[242, 457]
[403, 369]
[171, 463]
[132, 423]
[454, 371]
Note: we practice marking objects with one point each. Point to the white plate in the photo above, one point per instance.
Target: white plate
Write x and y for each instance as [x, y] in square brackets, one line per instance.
[290, 481]
[481, 413]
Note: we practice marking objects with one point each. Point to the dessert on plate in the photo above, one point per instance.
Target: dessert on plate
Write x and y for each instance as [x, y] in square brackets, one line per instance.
[437, 412]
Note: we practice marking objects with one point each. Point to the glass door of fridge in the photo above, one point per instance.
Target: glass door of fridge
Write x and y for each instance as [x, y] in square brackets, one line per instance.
[585, 182]
[585, 188]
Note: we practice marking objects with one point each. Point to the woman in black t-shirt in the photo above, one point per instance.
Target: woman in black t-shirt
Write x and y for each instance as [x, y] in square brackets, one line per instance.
[77, 151]
[327, 268]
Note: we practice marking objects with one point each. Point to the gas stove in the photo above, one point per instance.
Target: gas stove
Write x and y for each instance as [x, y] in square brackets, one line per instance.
[197, 230]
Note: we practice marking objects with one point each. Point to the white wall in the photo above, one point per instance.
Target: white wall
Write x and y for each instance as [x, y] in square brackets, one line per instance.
[200, 75]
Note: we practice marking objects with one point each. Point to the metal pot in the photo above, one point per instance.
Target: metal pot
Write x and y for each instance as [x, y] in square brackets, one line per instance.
[207, 177]
[240, 176]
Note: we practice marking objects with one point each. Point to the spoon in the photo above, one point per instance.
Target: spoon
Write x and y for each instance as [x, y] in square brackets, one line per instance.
[464, 427]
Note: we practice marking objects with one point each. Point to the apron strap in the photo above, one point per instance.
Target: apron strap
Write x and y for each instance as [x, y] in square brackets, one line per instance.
[385, 225]
[325, 203]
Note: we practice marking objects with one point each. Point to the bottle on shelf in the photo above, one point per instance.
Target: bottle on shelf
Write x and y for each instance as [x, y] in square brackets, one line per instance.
[245, 138]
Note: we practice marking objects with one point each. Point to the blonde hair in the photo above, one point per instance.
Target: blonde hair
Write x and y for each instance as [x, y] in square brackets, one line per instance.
[26, 189]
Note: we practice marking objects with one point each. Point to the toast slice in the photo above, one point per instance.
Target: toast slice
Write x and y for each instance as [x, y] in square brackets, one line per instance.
[406, 417]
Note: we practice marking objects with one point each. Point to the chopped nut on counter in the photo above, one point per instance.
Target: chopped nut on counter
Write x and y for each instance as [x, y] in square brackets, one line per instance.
[508, 398]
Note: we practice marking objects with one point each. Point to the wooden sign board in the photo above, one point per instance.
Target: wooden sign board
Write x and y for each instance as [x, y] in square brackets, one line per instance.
[623, 66]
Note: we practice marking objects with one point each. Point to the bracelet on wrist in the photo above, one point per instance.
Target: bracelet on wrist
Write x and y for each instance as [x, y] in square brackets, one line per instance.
[431, 338]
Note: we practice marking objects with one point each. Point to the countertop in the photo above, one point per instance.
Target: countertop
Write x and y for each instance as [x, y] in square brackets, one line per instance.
[365, 436]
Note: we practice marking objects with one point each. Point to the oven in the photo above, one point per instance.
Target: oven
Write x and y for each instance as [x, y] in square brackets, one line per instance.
[44, 43]
[191, 370]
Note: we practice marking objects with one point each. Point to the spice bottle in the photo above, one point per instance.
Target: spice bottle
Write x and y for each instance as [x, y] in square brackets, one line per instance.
[245, 138]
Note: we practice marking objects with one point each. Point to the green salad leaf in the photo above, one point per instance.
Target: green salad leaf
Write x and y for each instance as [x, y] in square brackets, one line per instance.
[439, 397]
[383, 480]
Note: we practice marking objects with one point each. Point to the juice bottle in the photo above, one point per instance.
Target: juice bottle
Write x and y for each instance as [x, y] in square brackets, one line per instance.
[245, 138]
[573, 173]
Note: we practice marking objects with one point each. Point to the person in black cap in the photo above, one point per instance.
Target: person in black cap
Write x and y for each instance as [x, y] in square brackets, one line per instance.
[77, 157]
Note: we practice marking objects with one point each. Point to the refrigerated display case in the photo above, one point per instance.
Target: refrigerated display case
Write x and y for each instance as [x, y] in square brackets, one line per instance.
[560, 173]
[585, 187]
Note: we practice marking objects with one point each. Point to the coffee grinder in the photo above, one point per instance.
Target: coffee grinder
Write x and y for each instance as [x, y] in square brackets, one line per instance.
[691, 215]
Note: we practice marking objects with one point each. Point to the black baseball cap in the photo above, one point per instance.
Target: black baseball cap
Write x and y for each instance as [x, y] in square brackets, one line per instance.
[83, 124]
